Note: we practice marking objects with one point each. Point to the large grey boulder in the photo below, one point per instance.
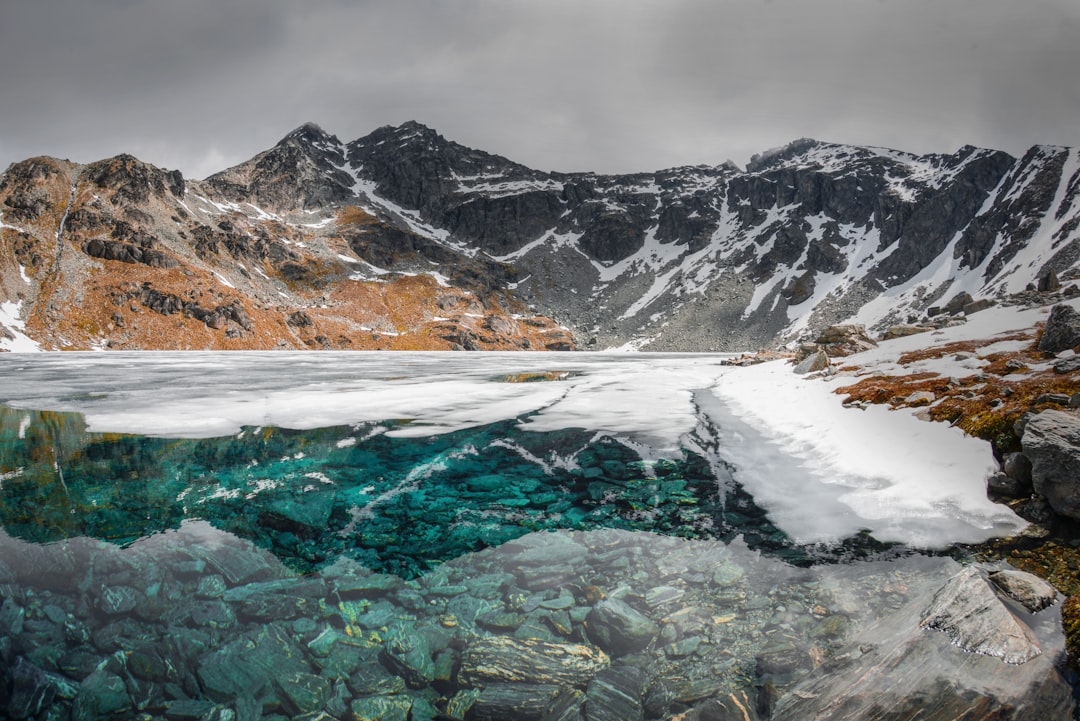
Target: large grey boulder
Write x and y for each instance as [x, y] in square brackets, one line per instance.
[1062, 329]
[1051, 441]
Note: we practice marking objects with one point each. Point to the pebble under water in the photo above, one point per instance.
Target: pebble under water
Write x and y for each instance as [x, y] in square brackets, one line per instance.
[489, 573]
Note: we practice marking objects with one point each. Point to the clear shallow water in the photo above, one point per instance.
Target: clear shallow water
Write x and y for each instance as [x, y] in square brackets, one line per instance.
[377, 535]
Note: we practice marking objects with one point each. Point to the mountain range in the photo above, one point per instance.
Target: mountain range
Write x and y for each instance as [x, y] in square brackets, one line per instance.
[403, 239]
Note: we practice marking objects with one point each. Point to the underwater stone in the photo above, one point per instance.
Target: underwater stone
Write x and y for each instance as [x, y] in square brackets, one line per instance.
[501, 620]
[372, 680]
[569, 705]
[461, 703]
[683, 647]
[662, 595]
[779, 657]
[239, 565]
[187, 709]
[32, 689]
[212, 614]
[382, 708]
[616, 695]
[212, 586]
[521, 702]
[373, 586]
[12, 618]
[277, 607]
[247, 665]
[117, 600]
[6, 574]
[304, 512]
[303, 692]
[408, 654]
[145, 662]
[618, 628]
[102, 695]
[499, 659]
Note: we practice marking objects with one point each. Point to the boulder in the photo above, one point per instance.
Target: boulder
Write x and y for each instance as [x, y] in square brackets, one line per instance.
[1062, 330]
[1068, 365]
[1051, 441]
[1002, 485]
[904, 330]
[1028, 590]
[956, 305]
[844, 340]
[1049, 283]
[978, 305]
[812, 363]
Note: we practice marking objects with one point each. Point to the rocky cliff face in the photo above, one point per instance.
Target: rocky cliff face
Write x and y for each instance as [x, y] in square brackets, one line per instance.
[404, 239]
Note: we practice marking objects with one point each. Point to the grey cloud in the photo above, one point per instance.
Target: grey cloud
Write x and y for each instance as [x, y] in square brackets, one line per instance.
[605, 85]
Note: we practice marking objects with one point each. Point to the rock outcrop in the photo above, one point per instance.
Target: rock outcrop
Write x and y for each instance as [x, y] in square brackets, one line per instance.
[1062, 329]
[1051, 442]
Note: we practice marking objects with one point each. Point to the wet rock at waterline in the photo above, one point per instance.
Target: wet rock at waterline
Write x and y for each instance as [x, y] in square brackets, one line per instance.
[971, 613]
[940, 680]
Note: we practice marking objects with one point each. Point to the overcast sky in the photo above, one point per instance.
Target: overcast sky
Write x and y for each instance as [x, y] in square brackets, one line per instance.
[605, 85]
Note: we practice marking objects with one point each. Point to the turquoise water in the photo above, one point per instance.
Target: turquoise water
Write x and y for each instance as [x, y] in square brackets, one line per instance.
[398, 505]
[400, 555]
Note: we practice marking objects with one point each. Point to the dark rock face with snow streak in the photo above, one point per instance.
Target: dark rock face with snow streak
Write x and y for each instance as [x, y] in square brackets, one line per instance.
[694, 258]
[717, 257]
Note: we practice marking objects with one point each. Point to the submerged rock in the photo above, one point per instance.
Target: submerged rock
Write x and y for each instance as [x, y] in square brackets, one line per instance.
[520, 701]
[618, 628]
[971, 613]
[510, 660]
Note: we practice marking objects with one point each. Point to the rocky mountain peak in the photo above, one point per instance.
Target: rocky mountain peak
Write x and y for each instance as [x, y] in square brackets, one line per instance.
[313, 137]
[133, 180]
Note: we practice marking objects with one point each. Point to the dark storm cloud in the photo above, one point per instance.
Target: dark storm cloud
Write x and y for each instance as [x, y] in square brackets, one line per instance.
[605, 85]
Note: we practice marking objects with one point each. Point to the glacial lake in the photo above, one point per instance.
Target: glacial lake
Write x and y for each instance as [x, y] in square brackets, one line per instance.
[453, 535]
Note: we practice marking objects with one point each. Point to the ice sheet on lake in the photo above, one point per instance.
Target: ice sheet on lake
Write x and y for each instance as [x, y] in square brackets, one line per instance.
[822, 471]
